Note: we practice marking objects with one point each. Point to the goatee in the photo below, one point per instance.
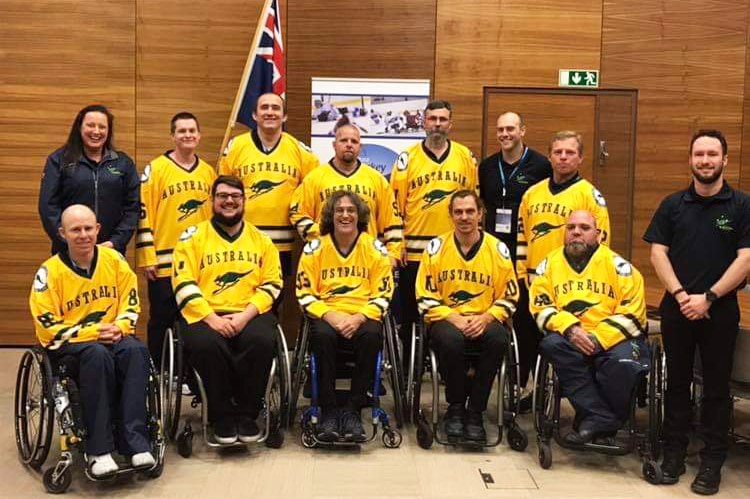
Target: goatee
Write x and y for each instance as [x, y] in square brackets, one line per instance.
[229, 221]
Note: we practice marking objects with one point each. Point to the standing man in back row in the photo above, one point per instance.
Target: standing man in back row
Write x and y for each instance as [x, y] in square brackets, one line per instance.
[423, 180]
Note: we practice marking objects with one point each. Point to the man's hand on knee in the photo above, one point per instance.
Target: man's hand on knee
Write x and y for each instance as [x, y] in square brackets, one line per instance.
[580, 339]
[221, 325]
[458, 321]
[109, 334]
[477, 325]
[350, 324]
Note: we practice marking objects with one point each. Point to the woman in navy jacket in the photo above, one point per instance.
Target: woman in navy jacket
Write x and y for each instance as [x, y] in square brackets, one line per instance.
[87, 170]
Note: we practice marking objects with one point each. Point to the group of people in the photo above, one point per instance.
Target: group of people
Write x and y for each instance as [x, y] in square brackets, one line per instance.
[521, 237]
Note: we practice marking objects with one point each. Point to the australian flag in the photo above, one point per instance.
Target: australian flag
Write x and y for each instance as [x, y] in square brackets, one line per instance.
[268, 73]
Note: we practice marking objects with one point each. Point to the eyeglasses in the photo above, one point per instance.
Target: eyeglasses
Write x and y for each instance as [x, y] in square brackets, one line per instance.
[223, 196]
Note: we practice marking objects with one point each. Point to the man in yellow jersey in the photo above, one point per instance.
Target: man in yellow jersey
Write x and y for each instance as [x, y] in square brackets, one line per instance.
[84, 301]
[226, 277]
[541, 221]
[346, 172]
[423, 179]
[466, 289]
[590, 304]
[175, 192]
[271, 163]
[344, 284]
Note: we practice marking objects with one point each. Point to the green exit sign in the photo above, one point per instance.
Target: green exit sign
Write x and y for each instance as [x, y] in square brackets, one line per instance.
[579, 78]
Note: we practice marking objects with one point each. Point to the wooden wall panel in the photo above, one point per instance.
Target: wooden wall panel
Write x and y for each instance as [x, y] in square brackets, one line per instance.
[687, 58]
[55, 59]
[508, 43]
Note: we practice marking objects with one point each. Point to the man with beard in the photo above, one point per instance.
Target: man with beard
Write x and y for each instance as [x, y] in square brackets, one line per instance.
[466, 289]
[226, 277]
[423, 180]
[589, 303]
[700, 249]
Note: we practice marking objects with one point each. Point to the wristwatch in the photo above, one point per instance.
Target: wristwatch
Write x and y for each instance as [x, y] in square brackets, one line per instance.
[711, 296]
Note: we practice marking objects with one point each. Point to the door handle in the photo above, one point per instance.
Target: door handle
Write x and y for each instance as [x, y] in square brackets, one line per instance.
[603, 154]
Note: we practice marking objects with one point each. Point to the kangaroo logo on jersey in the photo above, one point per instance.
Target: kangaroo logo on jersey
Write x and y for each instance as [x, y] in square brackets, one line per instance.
[724, 223]
[579, 307]
[189, 207]
[542, 229]
[93, 317]
[40, 279]
[114, 171]
[228, 280]
[263, 186]
[434, 197]
[342, 290]
[623, 267]
[460, 297]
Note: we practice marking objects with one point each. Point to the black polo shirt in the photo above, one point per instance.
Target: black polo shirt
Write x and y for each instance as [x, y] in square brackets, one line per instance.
[519, 176]
[703, 233]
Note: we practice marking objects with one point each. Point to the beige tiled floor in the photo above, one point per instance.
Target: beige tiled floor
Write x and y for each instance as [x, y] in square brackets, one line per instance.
[370, 472]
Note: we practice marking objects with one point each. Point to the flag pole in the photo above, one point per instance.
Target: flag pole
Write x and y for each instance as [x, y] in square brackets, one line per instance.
[243, 81]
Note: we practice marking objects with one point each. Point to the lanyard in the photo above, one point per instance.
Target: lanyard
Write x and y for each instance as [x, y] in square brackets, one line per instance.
[512, 174]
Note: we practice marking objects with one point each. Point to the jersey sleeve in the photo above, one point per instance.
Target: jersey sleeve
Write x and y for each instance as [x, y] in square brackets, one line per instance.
[390, 225]
[308, 160]
[271, 282]
[429, 301]
[145, 251]
[505, 288]
[522, 241]
[227, 158]
[549, 318]
[601, 214]
[302, 211]
[381, 285]
[307, 292]
[629, 317]
[399, 182]
[185, 268]
[129, 305]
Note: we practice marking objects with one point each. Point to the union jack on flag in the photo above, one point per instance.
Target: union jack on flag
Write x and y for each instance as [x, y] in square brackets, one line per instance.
[268, 73]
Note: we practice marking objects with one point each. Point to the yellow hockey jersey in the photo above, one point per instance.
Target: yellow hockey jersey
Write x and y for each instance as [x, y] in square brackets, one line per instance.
[542, 216]
[606, 298]
[216, 272]
[308, 200]
[270, 179]
[69, 304]
[482, 281]
[172, 199]
[423, 186]
[361, 281]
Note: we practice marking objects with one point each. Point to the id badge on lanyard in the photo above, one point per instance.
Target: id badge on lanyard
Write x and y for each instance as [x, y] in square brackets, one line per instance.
[503, 216]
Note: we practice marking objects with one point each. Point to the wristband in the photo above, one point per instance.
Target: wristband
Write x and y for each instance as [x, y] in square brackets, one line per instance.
[678, 291]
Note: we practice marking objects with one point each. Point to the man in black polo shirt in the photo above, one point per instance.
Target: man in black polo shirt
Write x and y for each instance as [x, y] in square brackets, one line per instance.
[700, 248]
[504, 177]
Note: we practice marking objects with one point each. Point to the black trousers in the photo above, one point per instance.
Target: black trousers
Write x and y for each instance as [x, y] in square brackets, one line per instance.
[715, 339]
[450, 346]
[162, 315]
[112, 382]
[366, 343]
[285, 257]
[407, 283]
[527, 334]
[234, 370]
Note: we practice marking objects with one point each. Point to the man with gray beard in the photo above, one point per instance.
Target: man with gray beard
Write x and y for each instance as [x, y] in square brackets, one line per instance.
[589, 303]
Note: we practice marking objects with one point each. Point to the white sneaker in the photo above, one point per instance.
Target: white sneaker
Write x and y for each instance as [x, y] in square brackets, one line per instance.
[142, 460]
[102, 465]
[186, 391]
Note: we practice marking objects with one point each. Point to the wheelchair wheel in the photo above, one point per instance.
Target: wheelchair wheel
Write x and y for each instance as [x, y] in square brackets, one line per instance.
[185, 443]
[544, 455]
[60, 485]
[155, 472]
[274, 405]
[34, 408]
[298, 371]
[394, 368]
[392, 438]
[308, 439]
[652, 472]
[543, 405]
[517, 438]
[425, 438]
[418, 370]
[656, 391]
[171, 383]
[285, 380]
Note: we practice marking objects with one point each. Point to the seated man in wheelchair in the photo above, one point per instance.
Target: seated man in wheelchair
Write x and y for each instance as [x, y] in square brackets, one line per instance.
[466, 289]
[589, 303]
[85, 305]
[344, 284]
[226, 277]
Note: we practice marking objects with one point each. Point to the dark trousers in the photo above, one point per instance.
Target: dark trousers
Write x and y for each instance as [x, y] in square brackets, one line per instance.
[527, 334]
[234, 370]
[112, 382]
[450, 346]
[162, 315]
[285, 257]
[366, 343]
[715, 339]
[600, 386]
[407, 283]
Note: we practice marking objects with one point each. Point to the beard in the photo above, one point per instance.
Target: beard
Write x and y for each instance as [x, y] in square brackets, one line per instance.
[708, 179]
[437, 138]
[579, 252]
[229, 221]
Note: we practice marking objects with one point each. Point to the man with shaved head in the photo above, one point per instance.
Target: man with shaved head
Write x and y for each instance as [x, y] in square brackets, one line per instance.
[589, 303]
[84, 302]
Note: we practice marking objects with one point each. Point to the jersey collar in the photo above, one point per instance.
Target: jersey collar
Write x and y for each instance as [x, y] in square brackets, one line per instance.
[259, 144]
[65, 257]
[432, 156]
[223, 234]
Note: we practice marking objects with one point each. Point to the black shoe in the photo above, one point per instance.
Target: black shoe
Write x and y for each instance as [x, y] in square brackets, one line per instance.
[454, 421]
[328, 428]
[579, 437]
[672, 467]
[225, 431]
[351, 426]
[248, 429]
[473, 427]
[707, 480]
[525, 404]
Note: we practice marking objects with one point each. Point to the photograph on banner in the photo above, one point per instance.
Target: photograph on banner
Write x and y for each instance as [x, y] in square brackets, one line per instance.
[388, 113]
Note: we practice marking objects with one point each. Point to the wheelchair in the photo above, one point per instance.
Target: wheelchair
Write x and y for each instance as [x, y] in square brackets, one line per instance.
[647, 441]
[44, 393]
[175, 372]
[508, 393]
[388, 365]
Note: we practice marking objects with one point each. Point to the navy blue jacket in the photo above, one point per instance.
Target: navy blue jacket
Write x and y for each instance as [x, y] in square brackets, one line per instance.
[111, 189]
